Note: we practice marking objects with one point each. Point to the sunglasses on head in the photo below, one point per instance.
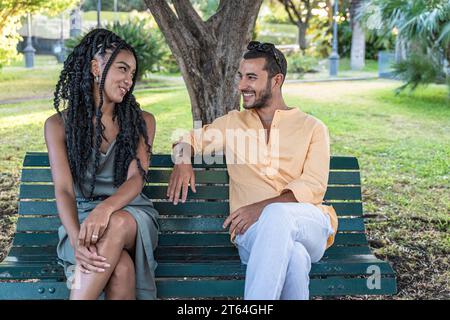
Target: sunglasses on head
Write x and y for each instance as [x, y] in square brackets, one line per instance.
[268, 48]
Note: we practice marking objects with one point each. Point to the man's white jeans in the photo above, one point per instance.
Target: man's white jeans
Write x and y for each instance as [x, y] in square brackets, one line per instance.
[279, 248]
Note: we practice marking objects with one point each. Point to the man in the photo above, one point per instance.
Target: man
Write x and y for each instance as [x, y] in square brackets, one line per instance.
[277, 180]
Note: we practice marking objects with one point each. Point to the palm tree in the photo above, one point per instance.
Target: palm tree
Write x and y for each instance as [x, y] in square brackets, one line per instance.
[424, 28]
[358, 50]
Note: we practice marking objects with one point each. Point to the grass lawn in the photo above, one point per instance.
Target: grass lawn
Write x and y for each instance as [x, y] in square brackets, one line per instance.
[18, 82]
[401, 142]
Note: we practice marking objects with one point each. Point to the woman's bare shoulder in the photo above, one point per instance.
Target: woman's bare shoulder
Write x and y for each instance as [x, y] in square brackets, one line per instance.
[148, 117]
[55, 125]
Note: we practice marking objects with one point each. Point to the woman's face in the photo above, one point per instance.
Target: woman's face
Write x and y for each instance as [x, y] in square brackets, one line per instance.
[120, 76]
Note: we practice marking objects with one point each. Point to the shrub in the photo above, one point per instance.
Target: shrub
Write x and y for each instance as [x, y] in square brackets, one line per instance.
[298, 63]
[148, 43]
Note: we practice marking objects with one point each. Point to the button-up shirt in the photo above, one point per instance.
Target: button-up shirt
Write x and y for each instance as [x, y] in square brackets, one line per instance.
[296, 157]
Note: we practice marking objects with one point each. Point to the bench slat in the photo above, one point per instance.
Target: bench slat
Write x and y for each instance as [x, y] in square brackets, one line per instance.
[40, 159]
[189, 240]
[182, 209]
[201, 176]
[42, 191]
[190, 255]
[352, 265]
[174, 288]
[51, 239]
[171, 224]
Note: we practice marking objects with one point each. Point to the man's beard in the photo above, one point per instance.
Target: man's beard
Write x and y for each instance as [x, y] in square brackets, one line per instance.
[265, 96]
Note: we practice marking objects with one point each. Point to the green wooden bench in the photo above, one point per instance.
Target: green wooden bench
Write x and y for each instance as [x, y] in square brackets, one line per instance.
[195, 256]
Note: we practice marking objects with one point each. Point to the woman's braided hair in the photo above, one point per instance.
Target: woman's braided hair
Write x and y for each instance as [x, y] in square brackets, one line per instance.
[75, 91]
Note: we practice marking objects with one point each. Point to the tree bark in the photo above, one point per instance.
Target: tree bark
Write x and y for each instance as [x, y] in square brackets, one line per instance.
[400, 49]
[300, 14]
[208, 52]
[358, 47]
[303, 45]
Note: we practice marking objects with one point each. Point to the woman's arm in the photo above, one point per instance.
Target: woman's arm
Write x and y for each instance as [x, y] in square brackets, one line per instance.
[62, 177]
[131, 188]
[96, 223]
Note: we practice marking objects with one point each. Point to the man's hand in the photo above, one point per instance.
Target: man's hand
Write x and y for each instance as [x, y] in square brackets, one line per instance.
[244, 217]
[182, 175]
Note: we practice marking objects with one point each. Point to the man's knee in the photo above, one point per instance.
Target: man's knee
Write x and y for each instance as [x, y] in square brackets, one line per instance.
[276, 216]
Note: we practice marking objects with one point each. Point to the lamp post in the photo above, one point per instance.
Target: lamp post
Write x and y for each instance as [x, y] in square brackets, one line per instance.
[75, 22]
[116, 14]
[99, 8]
[29, 50]
[334, 57]
[61, 50]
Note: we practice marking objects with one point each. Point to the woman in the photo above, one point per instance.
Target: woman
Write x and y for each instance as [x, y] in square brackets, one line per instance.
[99, 148]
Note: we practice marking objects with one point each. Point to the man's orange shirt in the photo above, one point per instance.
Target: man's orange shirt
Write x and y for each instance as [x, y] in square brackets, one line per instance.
[296, 157]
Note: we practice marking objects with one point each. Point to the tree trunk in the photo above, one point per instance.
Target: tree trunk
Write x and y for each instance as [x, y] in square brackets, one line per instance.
[302, 36]
[358, 48]
[400, 49]
[208, 52]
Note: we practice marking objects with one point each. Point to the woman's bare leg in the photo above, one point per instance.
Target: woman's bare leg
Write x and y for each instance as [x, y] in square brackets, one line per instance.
[122, 283]
[120, 234]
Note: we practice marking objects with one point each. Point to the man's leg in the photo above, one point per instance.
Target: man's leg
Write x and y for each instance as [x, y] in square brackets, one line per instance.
[296, 284]
[270, 244]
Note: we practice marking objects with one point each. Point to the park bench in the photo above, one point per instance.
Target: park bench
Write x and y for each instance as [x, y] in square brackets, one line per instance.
[195, 256]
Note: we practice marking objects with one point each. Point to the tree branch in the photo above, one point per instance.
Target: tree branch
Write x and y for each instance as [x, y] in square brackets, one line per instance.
[192, 21]
[292, 10]
[178, 37]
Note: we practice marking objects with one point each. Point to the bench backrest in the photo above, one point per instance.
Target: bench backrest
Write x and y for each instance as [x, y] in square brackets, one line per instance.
[198, 222]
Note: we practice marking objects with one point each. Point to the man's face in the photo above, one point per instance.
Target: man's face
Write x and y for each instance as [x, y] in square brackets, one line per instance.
[254, 83]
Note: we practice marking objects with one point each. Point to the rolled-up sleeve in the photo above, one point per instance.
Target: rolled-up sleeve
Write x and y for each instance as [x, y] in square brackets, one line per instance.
[209, 138]
[311, 185]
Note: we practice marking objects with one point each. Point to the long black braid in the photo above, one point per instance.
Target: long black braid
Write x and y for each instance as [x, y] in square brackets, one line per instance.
[75, 91]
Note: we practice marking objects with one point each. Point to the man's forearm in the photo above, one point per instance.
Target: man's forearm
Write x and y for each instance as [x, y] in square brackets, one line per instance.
[182, 153]
[286, 196]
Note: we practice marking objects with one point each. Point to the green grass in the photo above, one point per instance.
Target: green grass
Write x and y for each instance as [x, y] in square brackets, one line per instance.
[19, 83]
[370, 65]
[401, 142]
[105, 16]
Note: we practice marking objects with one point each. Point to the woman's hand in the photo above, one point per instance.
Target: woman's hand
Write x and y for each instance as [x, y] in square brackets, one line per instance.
[93, 227]
[88, 259]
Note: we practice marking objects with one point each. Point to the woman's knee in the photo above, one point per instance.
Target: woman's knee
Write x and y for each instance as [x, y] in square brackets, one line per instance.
[121, 225]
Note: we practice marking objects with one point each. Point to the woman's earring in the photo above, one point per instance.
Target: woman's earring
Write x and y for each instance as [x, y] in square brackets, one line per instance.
[97, 79]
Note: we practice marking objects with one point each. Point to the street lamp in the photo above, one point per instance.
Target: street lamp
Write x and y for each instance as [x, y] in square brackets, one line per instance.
[99, 8]
[116, 14]
[75, 22]
[29, 50]
[334, 57]
[61, 50]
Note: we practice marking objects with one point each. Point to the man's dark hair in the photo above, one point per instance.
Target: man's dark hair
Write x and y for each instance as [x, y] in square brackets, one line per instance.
[275, 59]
